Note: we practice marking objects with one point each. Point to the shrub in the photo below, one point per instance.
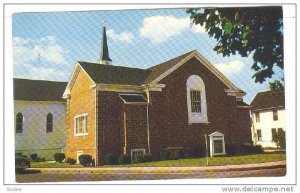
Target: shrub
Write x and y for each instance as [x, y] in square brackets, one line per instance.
[138, 159]
[147, 158]
[164, 154]
[40, 159]
[124, 159]
[194, 152]
[251, 149]
[59, 157]
[110, 159]
[85, 160]
[21, 163]
[33, 157]
[20, 154]
[180, 154]
[232, 149]
[71, 161]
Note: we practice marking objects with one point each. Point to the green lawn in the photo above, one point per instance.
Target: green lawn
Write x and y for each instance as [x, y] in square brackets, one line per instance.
[215, 161]
[53, 165]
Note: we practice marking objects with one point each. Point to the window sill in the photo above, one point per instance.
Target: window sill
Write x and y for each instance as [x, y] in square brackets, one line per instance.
[81, 134]
[197, 114]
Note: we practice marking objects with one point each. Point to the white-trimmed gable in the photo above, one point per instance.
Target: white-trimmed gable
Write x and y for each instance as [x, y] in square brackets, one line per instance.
[208, 65]
[73, 78]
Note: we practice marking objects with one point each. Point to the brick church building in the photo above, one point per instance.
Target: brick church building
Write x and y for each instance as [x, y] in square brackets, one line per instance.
[174, 105]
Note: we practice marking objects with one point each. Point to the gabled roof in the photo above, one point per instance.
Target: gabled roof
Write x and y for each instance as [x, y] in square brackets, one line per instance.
[241, 103]
[109, 74]
[268, 100]
[157, 70]
[162, 70]
[38, 90]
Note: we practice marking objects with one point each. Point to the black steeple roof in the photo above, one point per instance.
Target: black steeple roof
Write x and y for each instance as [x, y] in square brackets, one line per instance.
[104, 57]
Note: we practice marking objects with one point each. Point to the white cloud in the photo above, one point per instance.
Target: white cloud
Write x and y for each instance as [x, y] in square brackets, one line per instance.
[198, 29]
[124, 36]
[39, 72]
[39, 58]
[45, 48]
[231, 68]
[161, 28]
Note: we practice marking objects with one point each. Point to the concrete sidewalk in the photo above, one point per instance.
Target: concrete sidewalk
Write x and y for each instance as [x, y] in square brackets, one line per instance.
[162, 170]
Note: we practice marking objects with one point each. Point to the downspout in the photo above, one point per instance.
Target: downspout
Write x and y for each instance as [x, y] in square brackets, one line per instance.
[125, 134]
[96, 128]
[67, 122]
[148, 127]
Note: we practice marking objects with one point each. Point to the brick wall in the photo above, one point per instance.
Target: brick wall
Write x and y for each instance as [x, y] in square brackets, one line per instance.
[243, 126]
[169, 115]
[109, 123]
[82, 101]
[136, 127]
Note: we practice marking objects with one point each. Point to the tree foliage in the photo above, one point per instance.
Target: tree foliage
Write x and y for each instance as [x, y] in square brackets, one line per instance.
[281, 138]
[278, 137]
[276, 86]
[246, 30]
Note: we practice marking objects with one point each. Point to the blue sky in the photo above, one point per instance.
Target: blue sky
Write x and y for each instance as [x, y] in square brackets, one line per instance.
[47, 45]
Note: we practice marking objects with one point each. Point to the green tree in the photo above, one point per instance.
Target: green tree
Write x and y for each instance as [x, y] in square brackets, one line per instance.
[281, 138]
[246, 30]
[276, 85]
[275, 138]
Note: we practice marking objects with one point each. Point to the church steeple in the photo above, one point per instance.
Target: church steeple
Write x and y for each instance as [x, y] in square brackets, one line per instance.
[104, 56]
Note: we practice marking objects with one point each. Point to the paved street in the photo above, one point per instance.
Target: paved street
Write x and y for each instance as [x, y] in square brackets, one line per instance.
[68, 177]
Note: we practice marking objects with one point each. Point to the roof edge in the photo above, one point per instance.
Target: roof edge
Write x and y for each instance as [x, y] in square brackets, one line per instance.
[73, 78]
[207, 64]
[270, 108]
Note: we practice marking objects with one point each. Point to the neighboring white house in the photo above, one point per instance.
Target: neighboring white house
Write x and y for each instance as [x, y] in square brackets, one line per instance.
[268, 117]
[40, 123]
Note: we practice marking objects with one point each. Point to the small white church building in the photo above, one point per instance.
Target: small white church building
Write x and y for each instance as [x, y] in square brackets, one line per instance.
[268, 117]
[39, 112]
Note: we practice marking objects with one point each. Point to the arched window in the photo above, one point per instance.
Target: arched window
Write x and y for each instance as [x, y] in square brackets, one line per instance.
[19, 123]
[196, 100]
[49, 125]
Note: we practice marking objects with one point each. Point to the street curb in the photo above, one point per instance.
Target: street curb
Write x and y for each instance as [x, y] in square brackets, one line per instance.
[161, 170]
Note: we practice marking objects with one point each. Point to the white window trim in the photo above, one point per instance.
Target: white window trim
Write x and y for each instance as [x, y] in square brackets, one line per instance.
[81, 134]
[195, 82]
[211, 139]
[132, 150]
